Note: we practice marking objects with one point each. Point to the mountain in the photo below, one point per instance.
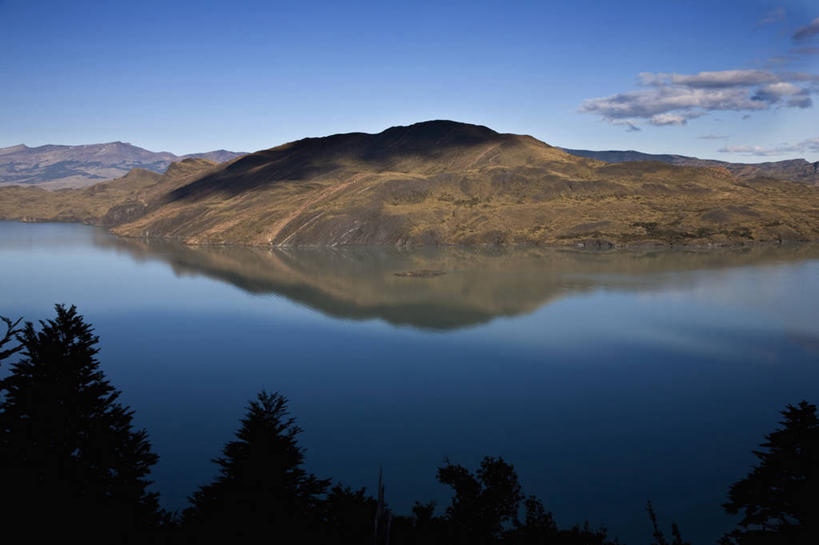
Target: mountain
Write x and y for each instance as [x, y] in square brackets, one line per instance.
[433, 183]
[54, 167]
[105, 203]
[795, 170]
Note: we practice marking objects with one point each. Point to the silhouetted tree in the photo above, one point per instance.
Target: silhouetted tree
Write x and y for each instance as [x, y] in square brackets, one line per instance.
[383, 516]
[483, 502]
[485, 509]
[348, 516]
[537, 528]
[779, 499]
[581, 534]
[262, 490]
[425, 525]
[659, 536]
[70, 460]
[422, 527]
[11, 333]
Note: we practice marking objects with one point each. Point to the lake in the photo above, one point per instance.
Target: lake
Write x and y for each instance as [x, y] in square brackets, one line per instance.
[607, 379]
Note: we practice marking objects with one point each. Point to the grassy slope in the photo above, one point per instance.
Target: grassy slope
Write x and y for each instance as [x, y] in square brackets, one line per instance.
[136, 189]
[448, 183]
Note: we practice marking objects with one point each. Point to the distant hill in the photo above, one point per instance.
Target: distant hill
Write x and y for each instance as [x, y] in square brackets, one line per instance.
[54, 167]
[795, 170]
[433, 183]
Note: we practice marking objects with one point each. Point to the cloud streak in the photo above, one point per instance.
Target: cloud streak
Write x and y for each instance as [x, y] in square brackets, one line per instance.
[810, 145]
[808, 31]
[723, 79]
[772, 17]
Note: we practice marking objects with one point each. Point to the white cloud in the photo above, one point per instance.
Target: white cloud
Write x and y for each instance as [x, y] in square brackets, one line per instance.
[673, 99]
[797, 97]
[668, 119]
[670, 99]
[651, 102]
[779, 89]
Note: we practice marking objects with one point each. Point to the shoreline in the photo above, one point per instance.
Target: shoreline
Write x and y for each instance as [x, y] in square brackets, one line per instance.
[590, 245]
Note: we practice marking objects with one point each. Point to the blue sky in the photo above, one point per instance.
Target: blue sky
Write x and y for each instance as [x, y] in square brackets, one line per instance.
[193, 76]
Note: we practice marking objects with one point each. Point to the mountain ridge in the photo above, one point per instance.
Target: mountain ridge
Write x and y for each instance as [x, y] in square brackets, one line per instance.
[434, 183]
[795, 170]
[55, 166]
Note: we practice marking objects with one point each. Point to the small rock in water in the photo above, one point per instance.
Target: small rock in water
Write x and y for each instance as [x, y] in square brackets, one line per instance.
[422, 273]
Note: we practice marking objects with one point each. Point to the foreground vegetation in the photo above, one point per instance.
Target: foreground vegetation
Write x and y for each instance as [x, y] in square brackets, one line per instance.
[74, 468]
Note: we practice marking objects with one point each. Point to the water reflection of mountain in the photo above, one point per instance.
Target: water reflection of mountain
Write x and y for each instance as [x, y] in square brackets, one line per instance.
[479, 284]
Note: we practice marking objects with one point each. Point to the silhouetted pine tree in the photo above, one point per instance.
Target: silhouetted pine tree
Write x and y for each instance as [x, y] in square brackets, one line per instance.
[9, 336]
[70, 461]
[659, 536]
[262, 491]
[779, 499]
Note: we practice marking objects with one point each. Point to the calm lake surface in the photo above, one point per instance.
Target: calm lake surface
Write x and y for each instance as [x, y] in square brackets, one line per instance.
[607, 379]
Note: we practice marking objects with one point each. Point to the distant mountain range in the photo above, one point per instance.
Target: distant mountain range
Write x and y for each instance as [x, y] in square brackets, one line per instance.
[795, 170]
[56, 167]
[433, 183]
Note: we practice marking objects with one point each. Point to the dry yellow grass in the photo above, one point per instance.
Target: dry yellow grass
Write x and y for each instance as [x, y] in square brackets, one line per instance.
[436, 183]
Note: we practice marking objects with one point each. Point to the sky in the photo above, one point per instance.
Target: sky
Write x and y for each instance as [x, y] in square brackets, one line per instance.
[730, 80]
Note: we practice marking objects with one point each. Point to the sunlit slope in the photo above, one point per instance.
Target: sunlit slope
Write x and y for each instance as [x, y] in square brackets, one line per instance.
[105, 203]
[442, 182]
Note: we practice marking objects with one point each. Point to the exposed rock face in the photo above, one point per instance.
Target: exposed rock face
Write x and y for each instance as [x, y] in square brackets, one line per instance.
[436, 183]
[123, 213]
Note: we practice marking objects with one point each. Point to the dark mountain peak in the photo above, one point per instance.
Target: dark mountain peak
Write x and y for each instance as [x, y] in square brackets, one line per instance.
[427, 138]
[439, 132]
